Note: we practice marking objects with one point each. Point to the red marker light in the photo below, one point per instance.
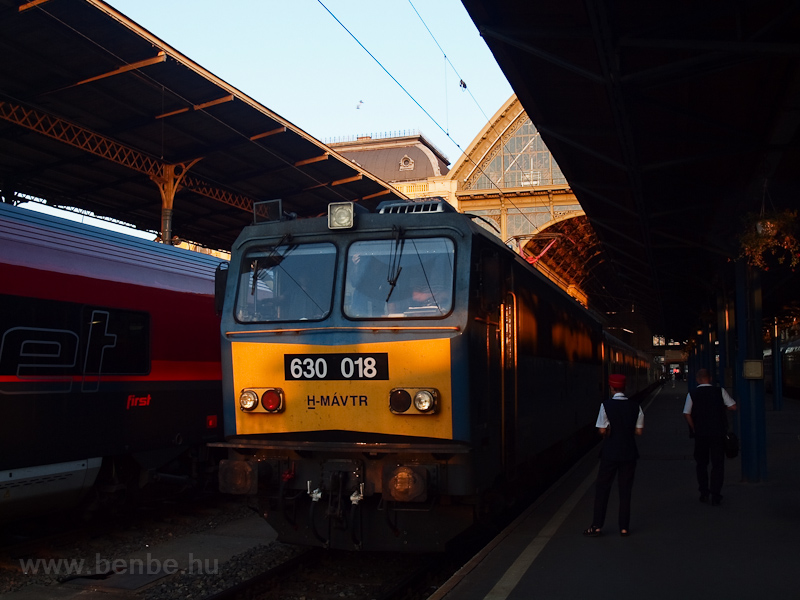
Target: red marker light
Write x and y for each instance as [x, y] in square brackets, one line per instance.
[272, 400]
[211, 422]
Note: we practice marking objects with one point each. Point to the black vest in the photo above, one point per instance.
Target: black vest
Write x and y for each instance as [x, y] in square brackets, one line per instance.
[621, 441]
[708, 411]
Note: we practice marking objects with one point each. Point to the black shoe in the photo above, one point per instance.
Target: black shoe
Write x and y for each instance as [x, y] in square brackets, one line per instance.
[703, 497]
[716, 500]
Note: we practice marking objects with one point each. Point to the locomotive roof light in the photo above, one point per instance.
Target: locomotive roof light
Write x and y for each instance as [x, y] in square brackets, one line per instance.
[341, 215]
[248, 400]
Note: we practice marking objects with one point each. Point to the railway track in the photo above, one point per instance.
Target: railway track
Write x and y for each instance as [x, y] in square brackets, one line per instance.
[319, 574]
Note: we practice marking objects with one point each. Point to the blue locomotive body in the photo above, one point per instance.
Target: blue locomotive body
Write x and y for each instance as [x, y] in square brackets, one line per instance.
[419, 378]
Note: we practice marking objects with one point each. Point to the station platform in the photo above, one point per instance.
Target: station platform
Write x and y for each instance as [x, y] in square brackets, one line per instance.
[747, 547]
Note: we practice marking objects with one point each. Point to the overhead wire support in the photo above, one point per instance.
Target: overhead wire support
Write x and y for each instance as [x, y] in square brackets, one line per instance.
[461, 83]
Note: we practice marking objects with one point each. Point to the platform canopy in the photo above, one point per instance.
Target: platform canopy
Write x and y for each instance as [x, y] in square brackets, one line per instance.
[673, 122]
[98, 114]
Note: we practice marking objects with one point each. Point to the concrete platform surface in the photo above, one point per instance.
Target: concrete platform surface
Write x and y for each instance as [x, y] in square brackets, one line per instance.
[678, 548]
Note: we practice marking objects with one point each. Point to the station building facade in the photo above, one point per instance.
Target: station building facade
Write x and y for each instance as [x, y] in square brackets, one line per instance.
[509, 178]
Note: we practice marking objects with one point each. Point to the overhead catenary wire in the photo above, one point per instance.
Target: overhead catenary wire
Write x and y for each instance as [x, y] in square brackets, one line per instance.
[435, 122]
[462, 83]
[162, 88]
[414, 100]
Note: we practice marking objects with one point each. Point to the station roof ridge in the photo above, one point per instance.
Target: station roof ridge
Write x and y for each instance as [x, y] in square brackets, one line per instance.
[387, 137]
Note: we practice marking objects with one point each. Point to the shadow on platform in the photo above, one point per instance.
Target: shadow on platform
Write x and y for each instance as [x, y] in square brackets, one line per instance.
[679, 547]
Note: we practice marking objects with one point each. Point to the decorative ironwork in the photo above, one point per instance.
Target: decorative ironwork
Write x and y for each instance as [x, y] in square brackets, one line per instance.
[519, 158]
[106, 148]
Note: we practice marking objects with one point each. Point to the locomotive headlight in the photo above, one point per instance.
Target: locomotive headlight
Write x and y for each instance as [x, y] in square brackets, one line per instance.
[248, 400]
[414, 401]
[424, 401]
[341, 215]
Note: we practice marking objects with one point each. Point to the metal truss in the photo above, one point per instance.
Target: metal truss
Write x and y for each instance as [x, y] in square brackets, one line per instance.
[163, 174]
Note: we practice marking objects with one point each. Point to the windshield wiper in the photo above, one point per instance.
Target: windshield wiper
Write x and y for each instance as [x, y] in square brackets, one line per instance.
[425, 276]
[256, 270]
[394, 259]
[272, 260]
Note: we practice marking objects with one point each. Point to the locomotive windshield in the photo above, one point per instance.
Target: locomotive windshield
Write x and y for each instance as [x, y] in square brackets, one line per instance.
[399, 278]
[287, 282]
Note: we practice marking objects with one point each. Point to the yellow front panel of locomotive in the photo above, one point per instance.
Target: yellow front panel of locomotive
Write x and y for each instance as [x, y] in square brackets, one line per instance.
[350, 405]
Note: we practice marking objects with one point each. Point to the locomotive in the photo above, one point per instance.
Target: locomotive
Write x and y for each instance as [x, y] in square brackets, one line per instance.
[392, 378]
[110, 378]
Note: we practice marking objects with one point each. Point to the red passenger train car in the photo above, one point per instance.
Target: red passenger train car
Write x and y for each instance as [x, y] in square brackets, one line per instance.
[109, 362]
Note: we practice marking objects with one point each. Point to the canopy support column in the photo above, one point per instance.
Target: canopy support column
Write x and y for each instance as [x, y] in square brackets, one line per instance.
[750, 392]
[169, 182]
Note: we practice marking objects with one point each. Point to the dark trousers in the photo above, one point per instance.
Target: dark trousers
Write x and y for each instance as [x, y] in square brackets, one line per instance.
[710, 448]
[624, 470]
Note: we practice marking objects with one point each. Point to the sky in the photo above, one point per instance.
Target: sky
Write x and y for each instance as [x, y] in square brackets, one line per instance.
[293, 57]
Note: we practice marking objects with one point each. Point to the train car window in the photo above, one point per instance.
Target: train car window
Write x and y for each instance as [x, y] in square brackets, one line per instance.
[290, 282]
[48, 342]
[399, 278]
[118, 341]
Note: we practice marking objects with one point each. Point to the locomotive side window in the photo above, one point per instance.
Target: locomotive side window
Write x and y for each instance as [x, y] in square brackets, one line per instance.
[288, 282]
[399, 278]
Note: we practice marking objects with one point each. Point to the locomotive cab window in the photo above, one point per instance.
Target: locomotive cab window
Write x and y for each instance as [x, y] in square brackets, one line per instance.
[290, 282]
[399, 278]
